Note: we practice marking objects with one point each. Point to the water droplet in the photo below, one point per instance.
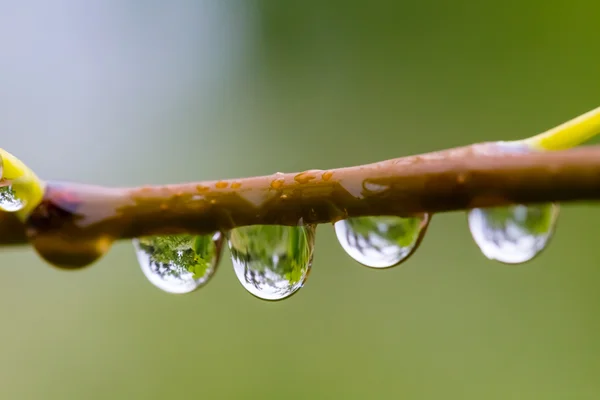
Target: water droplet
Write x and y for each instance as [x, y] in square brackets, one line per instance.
[179, 263]
[271, 261]
[67, 252]
[64, 233]
[9, 199]
[381, 241]
[327, 175]
[514, 234]
[306, 176]
[277, 183]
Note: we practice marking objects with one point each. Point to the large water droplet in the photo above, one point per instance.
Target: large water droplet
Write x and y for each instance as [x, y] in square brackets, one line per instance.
[66, 252]
[179, 263]
[59, 230]
[514, 234]
[272, 262]
[9, 200]
[382, 241]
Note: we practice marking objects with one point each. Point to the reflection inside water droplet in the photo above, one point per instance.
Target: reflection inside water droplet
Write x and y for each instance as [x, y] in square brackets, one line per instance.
[272, 262]
[514, 234]
[179, 263]
[382, 241]
[9, 200]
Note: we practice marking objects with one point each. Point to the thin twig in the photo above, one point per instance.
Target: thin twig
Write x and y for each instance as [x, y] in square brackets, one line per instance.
[450, 180]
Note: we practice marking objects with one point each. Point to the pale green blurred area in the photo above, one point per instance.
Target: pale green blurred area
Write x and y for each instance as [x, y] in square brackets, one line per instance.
[123, 93]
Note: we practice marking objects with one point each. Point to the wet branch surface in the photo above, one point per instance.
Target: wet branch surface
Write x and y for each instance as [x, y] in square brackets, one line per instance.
[449, 180]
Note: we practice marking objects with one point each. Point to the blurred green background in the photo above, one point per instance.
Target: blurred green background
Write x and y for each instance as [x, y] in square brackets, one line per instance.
[124, 93]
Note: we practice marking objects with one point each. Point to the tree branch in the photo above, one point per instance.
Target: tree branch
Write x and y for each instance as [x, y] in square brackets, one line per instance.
[449, 180]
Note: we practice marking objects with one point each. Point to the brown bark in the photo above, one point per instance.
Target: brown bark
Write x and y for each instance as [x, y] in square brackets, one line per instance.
[450, 180]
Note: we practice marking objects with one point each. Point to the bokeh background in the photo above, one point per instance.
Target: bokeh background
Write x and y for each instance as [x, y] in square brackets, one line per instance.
[120, 92]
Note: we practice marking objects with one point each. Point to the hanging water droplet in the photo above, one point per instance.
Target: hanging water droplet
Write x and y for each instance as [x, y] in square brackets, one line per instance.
[382, 241]
[9, 200]
[179, 263]
[514, 234]
[272, 262]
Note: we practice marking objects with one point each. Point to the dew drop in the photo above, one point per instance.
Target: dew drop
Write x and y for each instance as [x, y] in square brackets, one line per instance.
[271, 261]
[179, 263]
[305, 177]
[68, 253]
[64, 234]
[277, 183]
[381, 241]
[515, 234]
[9, 200]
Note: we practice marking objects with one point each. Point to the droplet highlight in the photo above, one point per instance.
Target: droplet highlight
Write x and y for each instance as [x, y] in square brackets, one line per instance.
[515, 234]
[272, 262]
[179, 263]
[381, 241]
